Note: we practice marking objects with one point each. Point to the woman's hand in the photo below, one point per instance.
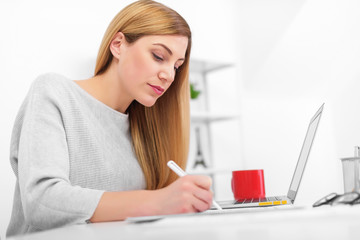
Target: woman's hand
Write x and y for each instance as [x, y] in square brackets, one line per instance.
[188, 194]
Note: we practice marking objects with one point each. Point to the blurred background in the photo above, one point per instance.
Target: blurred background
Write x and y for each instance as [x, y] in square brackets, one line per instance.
[287, 57]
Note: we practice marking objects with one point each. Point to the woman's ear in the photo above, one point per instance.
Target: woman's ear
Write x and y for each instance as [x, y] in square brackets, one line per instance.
[116, 43]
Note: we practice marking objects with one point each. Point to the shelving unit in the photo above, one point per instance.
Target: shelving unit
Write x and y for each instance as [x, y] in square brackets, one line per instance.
[201, 158]
[206, 117]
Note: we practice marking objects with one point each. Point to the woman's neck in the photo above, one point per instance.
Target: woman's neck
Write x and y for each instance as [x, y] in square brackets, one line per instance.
[107, 89]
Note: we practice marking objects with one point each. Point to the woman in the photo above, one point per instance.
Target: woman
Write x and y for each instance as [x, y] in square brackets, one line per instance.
[96, 150]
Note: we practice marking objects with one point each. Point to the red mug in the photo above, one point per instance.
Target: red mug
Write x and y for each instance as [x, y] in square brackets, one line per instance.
[248, 184]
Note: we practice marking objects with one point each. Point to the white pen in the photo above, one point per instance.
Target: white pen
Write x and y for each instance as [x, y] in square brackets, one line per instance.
[173, 166]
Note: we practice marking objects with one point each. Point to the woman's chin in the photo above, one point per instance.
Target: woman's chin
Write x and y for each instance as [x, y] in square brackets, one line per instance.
[148, 102]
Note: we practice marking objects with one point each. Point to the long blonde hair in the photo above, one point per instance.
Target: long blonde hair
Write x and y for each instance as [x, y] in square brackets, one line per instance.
[161, 132]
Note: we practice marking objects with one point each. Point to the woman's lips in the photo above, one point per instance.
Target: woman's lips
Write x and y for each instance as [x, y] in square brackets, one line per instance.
[157, 89]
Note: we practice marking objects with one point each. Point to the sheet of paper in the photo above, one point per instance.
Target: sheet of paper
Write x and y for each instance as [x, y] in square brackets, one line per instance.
[225, 213]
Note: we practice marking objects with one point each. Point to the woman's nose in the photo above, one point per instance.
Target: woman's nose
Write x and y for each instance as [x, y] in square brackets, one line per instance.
[167, 74]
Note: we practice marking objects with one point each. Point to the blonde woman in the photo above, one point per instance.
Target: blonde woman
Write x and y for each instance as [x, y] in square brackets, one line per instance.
[96, 150]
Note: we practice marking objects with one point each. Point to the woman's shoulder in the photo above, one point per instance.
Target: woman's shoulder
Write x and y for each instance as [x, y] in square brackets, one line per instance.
[47, 92]
[52, 84]
[50, 80]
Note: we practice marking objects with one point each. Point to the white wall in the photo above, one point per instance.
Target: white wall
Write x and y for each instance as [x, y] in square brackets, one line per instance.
[290, 56]
[296, 55]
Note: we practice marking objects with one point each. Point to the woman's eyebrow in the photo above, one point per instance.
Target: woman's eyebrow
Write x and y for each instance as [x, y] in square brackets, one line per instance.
[167, 49]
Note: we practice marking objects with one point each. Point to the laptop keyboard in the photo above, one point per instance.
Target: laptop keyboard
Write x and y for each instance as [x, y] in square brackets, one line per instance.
[271, 200]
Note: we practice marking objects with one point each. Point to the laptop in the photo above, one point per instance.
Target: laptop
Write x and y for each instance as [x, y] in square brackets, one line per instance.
[263, 202]
[296, 179]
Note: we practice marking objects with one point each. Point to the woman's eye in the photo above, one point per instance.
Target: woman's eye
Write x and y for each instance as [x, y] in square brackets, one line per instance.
[157, 57]
[176, 69]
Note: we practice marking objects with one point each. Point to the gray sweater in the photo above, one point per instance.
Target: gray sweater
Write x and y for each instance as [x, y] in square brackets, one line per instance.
[67, 148]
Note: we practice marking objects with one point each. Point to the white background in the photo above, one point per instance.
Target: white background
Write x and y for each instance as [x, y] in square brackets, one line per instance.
[289, 57]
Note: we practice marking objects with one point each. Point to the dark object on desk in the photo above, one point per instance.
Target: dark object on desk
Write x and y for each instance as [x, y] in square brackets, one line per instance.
[199, 159]
[350, 198]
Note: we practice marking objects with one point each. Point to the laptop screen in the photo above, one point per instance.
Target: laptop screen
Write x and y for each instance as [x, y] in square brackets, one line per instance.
[304, 154]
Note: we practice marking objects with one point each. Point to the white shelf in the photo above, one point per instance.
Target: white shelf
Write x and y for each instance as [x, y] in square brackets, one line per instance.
[200, 115]
[209, 171]
[211, 117]
[205, 67]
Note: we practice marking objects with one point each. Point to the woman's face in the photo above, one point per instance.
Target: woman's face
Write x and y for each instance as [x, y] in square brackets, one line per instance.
[147, 67]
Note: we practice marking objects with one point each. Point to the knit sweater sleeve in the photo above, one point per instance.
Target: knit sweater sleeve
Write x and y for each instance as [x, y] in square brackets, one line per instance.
[48, 198]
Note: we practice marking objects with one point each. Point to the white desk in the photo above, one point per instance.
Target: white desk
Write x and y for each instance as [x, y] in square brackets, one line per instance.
[341, 222]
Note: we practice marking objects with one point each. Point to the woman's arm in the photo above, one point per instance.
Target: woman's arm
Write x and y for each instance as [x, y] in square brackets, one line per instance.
[40, 158]
[187, 194]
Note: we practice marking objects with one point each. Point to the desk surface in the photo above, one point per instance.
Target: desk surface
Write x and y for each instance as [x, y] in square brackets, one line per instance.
[340, 222]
